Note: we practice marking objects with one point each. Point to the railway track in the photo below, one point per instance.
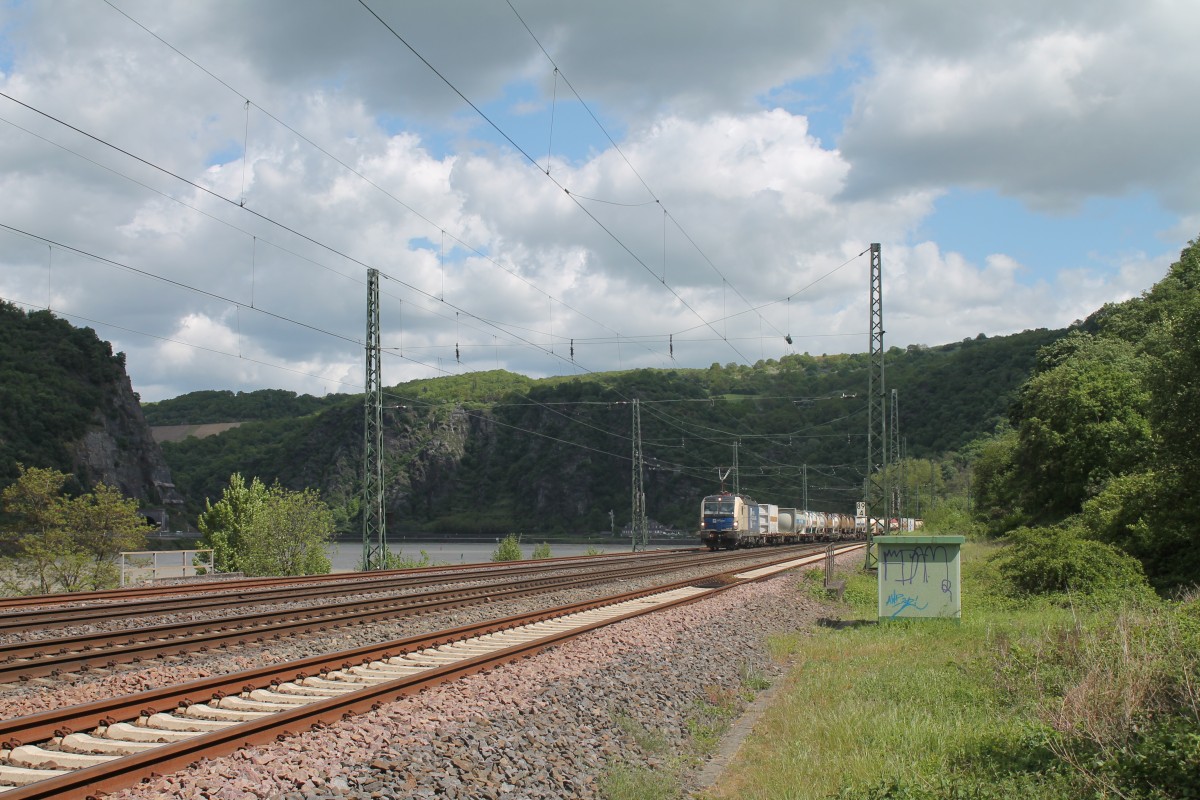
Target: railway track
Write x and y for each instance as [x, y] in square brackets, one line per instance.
[219, 594]
[23, 660]
[105, 745]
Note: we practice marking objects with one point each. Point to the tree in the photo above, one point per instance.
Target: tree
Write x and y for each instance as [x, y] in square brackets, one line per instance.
[35, 526]
[288, 535]
[1081, 420]
[100, 525]
[258, 530]
[225, 523]
[1153, 513]
[509, 549]
[68, 544]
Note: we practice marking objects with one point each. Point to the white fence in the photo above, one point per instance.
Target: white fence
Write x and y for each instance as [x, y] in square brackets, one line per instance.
[155, 565]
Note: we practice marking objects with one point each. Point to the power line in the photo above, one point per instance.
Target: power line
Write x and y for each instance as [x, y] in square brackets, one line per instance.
[533, 162]
[258, 215]
[466, 245]
[655, 198]
[169, 340]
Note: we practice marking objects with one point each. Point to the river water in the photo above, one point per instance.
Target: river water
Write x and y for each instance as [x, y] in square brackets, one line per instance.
[347, 556]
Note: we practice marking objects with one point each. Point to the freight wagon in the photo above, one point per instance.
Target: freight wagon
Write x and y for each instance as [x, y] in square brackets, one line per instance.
[733, 520]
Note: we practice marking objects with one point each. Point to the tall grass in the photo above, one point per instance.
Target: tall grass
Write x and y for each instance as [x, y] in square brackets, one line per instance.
[1047, 696]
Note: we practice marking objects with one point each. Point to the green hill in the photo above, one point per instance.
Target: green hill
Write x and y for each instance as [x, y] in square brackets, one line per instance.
[66, 404]
[493, 452]
[221, 405]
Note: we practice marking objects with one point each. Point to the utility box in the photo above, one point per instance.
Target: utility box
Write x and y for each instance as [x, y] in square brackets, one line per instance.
[919, 577]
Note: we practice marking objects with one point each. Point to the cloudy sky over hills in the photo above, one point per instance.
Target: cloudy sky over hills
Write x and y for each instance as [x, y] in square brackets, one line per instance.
[556, 188]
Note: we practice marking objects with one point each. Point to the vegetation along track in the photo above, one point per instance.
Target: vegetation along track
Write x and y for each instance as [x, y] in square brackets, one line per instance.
[155, 595]
[109, 744]
[130, 601]
[44, 657]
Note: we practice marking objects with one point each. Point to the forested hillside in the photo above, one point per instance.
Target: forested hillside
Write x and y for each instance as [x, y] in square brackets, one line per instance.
[221, 405]
[494, 452]
[1104, 441]
[52, 379]
[66, 404]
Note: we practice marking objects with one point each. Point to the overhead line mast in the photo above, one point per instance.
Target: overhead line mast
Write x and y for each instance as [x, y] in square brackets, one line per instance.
[877, 444]
[895, 503]
[638, 528]
[374, 519]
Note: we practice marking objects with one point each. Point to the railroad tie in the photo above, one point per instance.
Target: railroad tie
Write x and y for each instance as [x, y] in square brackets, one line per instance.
[12, 777]
[86, 743]
[35, 757]
[148, 735]
[206, 711]
[341, 683]
[237, 703]
[282, 699]
[171, 723]
[385, 672]
[312, 690]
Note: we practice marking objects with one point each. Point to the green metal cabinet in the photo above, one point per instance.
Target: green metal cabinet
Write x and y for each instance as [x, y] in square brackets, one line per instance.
[919, 577]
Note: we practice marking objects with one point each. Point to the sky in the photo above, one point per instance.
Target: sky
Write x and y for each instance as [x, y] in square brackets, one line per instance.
[564, 188]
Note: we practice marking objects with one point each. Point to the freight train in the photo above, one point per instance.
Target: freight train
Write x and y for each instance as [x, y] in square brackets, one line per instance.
[733, 520]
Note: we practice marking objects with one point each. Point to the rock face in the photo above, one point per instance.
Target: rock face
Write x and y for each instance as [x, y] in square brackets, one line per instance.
[119, 450]
[66, 404]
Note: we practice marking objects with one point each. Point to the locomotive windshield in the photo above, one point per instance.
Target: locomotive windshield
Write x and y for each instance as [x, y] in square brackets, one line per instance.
[716, 506]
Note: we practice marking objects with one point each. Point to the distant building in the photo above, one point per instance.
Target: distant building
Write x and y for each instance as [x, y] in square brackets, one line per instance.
[654, 529]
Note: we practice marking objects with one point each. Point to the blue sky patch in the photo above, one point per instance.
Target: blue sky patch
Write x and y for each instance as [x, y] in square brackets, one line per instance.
[826, 99]
[558, 126]
[7, 48]
[525, 116]
[226, 154]
[1103, 229]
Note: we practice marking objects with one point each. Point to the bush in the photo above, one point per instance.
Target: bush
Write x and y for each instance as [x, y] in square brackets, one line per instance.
[1060, 560]
[509, 549]
[541, 551]
[398, 560]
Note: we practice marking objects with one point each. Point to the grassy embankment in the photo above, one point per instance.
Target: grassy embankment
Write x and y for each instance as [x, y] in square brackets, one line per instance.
[1081, 695]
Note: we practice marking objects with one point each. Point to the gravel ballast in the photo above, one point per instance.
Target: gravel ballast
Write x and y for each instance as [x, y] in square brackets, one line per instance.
[545, 727]
[18, 699]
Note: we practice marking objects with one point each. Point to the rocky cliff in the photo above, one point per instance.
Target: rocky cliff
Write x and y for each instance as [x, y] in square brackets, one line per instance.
[119, 450]
[66, 403]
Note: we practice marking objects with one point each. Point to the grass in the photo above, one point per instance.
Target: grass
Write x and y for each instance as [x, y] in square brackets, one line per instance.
[707, 722]
[1031, 697]
[624, 782]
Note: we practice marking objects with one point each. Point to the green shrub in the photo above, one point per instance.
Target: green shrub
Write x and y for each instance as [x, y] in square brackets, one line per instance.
[398, 560]
[541, 551]
[509, 549]
[1060, 560]
[1161, 760]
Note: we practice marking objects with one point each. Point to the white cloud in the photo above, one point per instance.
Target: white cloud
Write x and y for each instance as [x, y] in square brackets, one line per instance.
[1051, 105]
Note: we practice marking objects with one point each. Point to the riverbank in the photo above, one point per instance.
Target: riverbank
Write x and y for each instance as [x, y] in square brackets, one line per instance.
[346, 556]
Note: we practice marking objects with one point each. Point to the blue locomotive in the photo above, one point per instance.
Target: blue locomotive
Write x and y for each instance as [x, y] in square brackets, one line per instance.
[733, 520]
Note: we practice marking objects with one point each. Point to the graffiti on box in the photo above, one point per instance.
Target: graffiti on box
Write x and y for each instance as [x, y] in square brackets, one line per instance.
[918, 581]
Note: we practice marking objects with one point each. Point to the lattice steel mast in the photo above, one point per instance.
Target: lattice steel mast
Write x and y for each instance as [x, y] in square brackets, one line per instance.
[637, 526]
[374, 521]
[894, 451]
[876, 482]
